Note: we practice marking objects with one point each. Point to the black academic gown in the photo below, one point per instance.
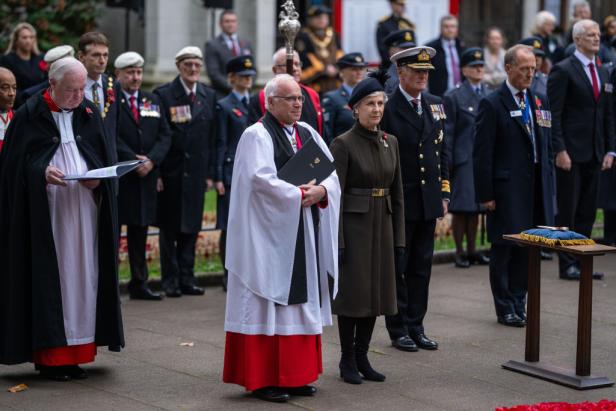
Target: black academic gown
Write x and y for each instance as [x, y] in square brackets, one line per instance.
[31, 315]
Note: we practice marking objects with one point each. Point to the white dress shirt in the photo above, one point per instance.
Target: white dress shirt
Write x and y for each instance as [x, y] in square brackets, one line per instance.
[585, 62]
[100, 92]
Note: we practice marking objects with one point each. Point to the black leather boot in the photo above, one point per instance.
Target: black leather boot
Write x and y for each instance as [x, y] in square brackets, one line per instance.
[365, 326]
[348, 365]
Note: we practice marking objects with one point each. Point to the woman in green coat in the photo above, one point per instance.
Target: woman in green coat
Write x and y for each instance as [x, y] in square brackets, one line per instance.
[371, 228]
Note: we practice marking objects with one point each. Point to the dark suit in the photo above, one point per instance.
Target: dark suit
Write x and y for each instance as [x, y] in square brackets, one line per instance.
[184, 171]
[584, 128]
[424, 179]
[506, 172]
[607, 195]
[217, 54]
[151, 137]
[385, 27]
[437, 82]
[337, 115]
[461, 106]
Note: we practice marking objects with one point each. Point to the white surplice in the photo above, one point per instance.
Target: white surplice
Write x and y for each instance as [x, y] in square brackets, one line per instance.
[261, 236]
[74, 223]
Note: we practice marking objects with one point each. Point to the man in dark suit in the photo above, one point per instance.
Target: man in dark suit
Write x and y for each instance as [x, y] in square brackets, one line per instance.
[233, 116]
[461, 106]
[389, 24]
[186, 172]
[416, 118]
[513, 170]
[311, 109]
[222, 49]
[337, 115]
[93, 52]
[580, 94]
[448, 48]
[143, 134]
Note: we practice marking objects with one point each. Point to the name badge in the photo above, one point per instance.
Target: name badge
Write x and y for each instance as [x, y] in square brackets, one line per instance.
[609, 87]
[180, 114]
[515, 113]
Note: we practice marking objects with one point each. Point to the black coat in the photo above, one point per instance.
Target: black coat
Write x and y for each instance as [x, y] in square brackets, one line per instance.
[232, 118]
[437, 82]
[580, 125]
[337, 116]
[504, 166]
[607, 180]
[189, 161]
[150, 137]
[31, 315]
[218, 55]
[425, 175]
[27, 72]
[461, 106]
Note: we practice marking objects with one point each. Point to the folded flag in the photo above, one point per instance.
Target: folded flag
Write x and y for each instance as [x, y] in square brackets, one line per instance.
[555, 236]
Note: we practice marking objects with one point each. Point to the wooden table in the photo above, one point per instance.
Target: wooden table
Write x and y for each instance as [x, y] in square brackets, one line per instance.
[581, 378]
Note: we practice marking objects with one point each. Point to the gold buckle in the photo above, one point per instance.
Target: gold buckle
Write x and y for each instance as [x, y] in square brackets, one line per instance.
[378, 192]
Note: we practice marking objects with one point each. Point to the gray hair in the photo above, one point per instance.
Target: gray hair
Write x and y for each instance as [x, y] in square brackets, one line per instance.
[579, 28]
[282, 53]
[511, 56]
[271, 87]
[541, 18]
[65, 65]
[580, 4]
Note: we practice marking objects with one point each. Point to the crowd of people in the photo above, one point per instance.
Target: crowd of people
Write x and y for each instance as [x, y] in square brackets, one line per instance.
[524, 135]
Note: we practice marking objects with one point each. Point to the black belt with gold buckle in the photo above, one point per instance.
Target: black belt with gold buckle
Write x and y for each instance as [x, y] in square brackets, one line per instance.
[370, 192]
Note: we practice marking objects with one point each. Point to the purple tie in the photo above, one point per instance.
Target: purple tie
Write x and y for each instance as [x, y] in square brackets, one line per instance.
[455, 69]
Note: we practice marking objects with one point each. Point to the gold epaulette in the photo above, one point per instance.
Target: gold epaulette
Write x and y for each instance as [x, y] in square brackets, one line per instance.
[445, 187]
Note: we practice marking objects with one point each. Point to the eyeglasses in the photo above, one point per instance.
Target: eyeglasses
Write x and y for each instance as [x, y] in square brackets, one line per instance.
[295, 64]
[292, 99]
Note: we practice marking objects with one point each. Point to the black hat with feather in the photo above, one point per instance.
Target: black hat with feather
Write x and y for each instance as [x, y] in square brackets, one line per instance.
[375, 81]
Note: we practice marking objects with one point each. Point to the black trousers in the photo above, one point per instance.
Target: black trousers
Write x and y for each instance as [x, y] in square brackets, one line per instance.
[177, 258]
[509, 278]
[609, 226]
[412, 286]
[136, 237]
[576, 195]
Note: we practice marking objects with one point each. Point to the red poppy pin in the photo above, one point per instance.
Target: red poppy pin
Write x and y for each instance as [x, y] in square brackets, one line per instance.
[538, 102]
[237, 112]
[89, 111]
[110, 95]
[43, 66]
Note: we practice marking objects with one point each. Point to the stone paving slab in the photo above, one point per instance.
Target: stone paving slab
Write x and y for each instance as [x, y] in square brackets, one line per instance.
[155, 373]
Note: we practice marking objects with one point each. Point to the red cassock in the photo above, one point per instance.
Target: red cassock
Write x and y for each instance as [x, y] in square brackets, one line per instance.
[257, 361]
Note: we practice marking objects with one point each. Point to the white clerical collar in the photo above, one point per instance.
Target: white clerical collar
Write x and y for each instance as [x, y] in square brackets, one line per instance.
[583, 59]
[514, 91]
[186, 89]
[408, 97]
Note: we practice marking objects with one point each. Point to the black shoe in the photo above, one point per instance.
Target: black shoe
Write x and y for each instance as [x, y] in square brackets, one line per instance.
[145, 294]
[54, 373]
[192, 290]
[511, 320]
[76, 372]
[173, 292]
[522, 316]
[597, 275]
[305, 391]
[546, 255]
[424, 342]
[404, 343]
[479, 259]
[461, 261]
[572, 273]
[271, 394]
[348, 369]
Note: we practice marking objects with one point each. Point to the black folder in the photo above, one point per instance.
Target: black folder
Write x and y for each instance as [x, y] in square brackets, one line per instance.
[309, 163]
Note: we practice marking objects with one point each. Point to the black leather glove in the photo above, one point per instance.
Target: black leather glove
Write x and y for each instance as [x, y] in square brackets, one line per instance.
[400, 260]
[340, 256]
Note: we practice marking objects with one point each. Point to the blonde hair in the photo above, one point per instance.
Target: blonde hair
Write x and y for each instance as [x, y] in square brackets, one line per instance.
[15, 34]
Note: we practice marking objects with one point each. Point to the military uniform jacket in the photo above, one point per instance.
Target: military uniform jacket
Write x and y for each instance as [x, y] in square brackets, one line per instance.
[461, 106]
[150, 137]
[539, 84]
[504, 165]
[386, 26]
[424, 164]
[337, 114]
[316, 53]
[190, 159]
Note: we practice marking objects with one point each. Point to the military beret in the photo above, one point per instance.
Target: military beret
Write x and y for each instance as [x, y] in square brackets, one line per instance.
[242, 65]
[418, 58]
[536, 43]
[318, 10]
[128, 59]
[56, 53]
[472, 56]
[403, 39]
[373, 82]
[351, 60]
[189, 52]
